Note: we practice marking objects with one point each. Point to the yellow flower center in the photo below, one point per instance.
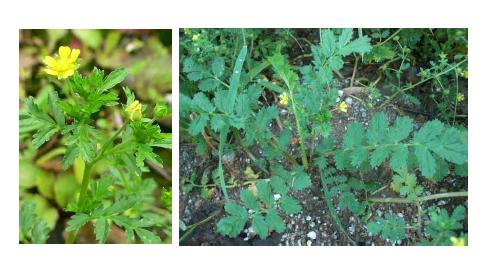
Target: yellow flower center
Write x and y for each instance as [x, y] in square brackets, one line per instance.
[195, 37]
[343, 107]
[283, 98]
[134, 111]
[460, 97]
[458, 241]
[64, 64]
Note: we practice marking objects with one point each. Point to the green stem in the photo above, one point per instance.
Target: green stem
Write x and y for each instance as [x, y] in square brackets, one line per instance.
[389, 38]
[420, 199]
[420, 82]
[87, 177]
[302, 149]
[223, 137]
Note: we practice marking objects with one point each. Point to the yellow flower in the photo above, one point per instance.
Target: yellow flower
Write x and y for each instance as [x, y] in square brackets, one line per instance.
[283, 98]
[465, 74]
[187, 31]
[195, 37]
[458, 241]
[134, 110]
[64, 64]
[460, 97]
[343, 107]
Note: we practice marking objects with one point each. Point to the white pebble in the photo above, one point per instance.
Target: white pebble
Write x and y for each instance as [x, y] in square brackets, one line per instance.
[309, 243]
[349, 100]
[312, 235]
[277, 197]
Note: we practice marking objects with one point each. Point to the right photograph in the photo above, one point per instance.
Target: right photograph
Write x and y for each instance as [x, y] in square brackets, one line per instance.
[323, 137]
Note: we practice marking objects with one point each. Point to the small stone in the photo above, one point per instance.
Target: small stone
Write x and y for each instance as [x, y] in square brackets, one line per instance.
[277, 197]
[400, 215]
[312, 224]
[349, 100]
[312, 235]
[309, 243]
[308, 218]
[340, 93]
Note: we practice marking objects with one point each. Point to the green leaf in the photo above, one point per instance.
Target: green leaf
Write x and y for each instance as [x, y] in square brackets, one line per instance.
[278, 185]
[289, 205]
[208, 85]
[301, 181]
[101, 229]
[426, 161]
[80, 137]
[249, 200]
[129, 234]
[114, 78]
[379, 155]
[451, 147]
[265, 116]
[203, 103]
[40, 232]
[378, 129]
[44, 135]
[360, 45]
[197, 125]
[393, 227]
[218, 66]
[235, 78]
[161, 110]
[147, 237]
[264, 192]
[221, 101]
[217, 122]
[274, 221]
[354, 136]
[398, 161]
[54, 108]
[232, 225]
[260, 226]
[428, 132]
[120, 206]
[27, 216]
[400, 129]
[358, 156]
[77, 221]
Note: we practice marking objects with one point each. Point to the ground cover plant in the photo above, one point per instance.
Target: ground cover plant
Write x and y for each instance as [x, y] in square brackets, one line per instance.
[323, 136]
[94, 157]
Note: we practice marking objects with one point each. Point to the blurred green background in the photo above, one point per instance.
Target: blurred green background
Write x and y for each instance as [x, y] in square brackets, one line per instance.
[146, 54]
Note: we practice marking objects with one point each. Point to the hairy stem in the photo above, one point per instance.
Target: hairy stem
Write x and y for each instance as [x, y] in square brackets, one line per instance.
[420, 199]
[420, 82]
[86, 177]
[302, 149]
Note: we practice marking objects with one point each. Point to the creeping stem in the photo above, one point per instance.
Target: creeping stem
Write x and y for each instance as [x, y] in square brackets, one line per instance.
[87, 177]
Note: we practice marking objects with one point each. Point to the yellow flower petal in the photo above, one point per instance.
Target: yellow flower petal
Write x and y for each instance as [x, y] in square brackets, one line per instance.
[51, 72]
[63, 65]
[64, 52]
[67, 73]
[343, 107]
[49, 61]
[74, 54]
[134, 110]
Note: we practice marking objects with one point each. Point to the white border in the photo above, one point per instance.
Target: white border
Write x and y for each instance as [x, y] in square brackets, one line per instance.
[248, 13]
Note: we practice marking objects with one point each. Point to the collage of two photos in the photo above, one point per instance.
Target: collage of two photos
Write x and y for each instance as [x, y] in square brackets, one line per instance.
[287, 137]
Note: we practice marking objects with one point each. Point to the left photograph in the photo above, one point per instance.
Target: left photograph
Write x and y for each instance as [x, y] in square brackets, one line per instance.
[95, 159]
